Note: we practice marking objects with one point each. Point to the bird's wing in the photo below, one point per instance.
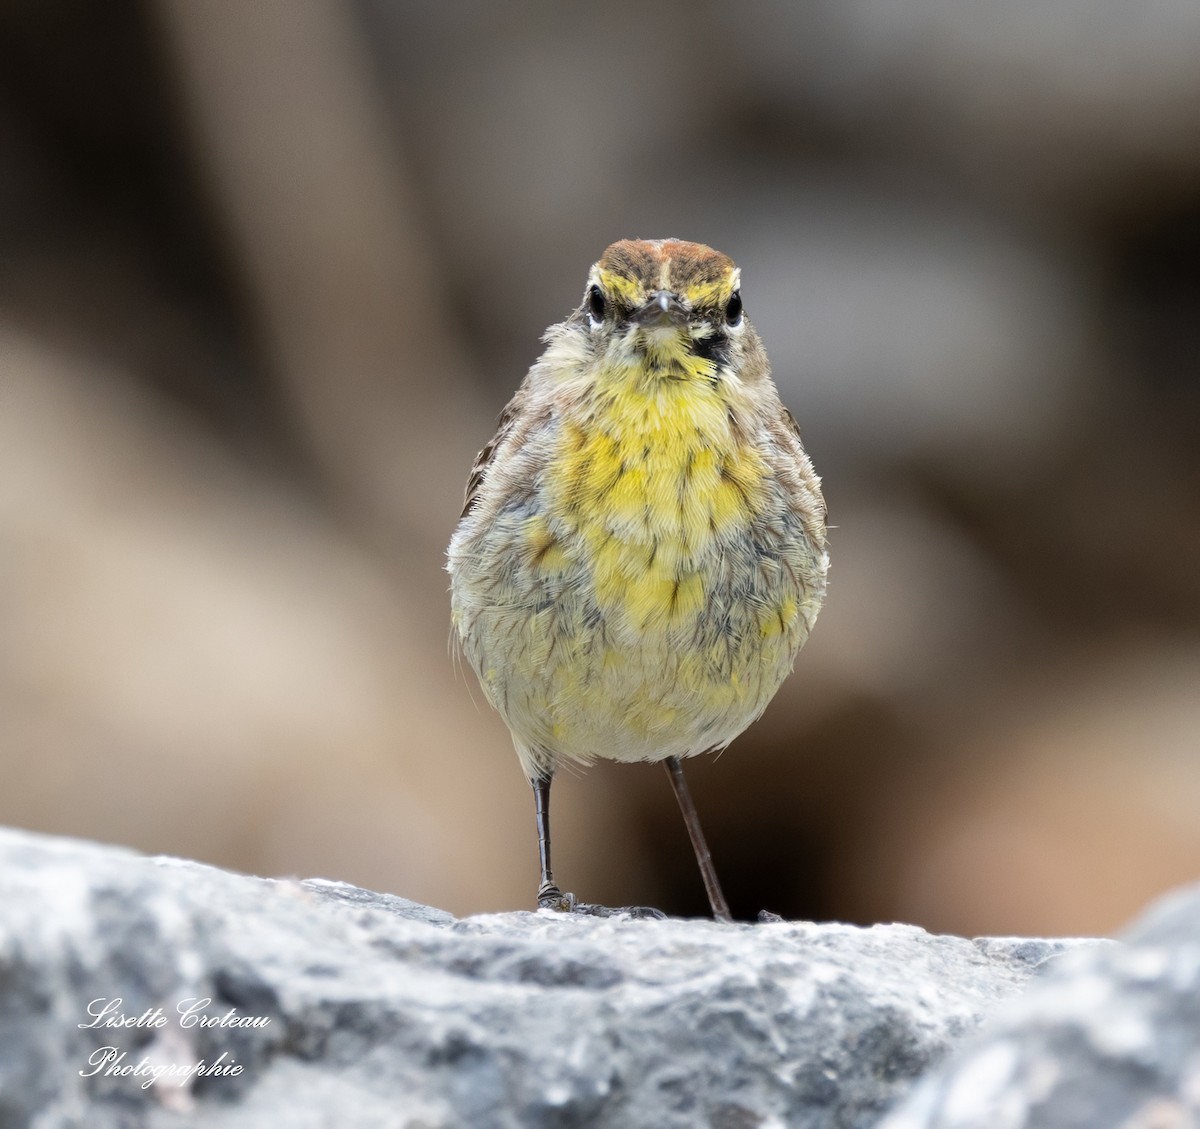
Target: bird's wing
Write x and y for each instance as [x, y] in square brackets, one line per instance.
[504, 428]
[790, 420]
[817, 508]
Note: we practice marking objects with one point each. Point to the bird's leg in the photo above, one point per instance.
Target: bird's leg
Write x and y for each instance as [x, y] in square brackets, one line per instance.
[716, 899]
[549, 895]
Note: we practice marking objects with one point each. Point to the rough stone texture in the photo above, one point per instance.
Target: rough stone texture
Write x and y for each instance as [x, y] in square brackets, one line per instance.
[1110, 1040]
[383, 1012]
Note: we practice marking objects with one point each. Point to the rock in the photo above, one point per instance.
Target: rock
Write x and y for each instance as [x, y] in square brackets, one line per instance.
[1111, 1038]
[318, 1004]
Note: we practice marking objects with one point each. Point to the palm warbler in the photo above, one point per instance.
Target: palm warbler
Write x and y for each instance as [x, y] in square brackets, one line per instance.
[642, 549]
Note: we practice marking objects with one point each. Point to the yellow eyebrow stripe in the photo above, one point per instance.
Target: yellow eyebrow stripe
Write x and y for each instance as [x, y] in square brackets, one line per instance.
[632, 291]
[626, 289]
[709, 293]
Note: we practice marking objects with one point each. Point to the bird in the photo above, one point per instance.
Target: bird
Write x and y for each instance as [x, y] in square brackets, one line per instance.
[642, 549]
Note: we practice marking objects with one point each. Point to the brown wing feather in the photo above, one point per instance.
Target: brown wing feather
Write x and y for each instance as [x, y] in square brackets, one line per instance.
[791, 422]
[821, 508]
[484, 458]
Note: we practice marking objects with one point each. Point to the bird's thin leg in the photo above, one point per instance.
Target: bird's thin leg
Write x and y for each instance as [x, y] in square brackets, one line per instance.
[716, 899]
[549, 895]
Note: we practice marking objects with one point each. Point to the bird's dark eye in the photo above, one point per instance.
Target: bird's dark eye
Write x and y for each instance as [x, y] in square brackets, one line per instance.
[595, 303]
[733, 309]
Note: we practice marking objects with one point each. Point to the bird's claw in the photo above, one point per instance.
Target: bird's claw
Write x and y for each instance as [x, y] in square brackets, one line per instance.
[643, 913]
[551, 897]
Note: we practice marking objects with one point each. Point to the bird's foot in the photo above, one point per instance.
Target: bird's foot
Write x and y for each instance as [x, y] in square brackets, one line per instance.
[644, 913]
[551, 897]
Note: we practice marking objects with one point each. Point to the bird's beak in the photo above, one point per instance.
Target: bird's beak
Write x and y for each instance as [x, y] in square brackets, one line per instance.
[662, 308]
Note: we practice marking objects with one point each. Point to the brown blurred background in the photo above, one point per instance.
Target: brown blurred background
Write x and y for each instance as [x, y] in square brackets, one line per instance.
[269, 271]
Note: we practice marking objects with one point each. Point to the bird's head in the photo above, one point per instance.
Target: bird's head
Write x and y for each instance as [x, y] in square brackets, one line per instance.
[667, 309]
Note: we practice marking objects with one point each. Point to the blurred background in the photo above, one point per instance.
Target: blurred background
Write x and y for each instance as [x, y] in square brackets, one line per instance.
[269, 272]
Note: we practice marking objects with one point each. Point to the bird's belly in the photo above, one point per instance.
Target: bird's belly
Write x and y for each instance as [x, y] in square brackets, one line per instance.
[653, 698]
[646, 600]
[646, 648]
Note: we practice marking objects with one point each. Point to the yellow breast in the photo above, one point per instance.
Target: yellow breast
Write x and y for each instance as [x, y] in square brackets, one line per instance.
[646, 483]
[647, 597]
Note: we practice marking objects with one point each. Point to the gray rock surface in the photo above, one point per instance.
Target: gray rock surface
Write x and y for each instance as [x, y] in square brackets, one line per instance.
[1109, 1040]
[375, 1011]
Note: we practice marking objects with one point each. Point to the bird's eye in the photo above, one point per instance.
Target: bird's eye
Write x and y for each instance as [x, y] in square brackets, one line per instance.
[733, 309]
[596, 304]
